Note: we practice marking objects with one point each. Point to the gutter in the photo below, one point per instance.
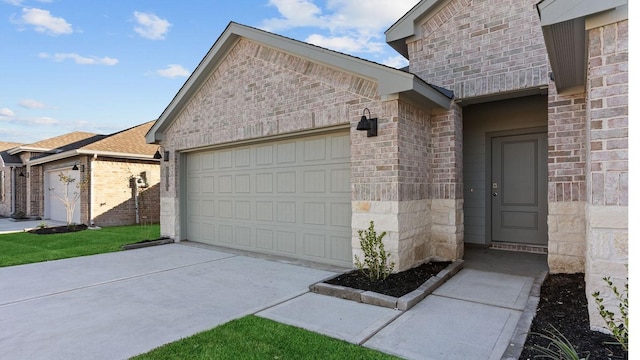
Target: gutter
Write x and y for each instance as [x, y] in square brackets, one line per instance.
[72, 153]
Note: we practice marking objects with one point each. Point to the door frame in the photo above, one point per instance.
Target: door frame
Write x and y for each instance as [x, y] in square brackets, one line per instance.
[487, 196]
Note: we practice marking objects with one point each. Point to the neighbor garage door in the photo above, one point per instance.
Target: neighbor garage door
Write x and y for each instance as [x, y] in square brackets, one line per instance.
[58, 192]
[289, 197]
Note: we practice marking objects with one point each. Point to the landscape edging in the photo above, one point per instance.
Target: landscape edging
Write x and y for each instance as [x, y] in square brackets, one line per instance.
[402, 303]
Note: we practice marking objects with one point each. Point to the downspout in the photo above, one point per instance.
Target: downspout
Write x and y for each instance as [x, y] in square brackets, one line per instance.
[13, 190]
[135, 195]
[91, 194]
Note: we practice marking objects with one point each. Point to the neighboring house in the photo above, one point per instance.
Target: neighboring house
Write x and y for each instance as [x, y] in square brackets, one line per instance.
[527, 149]
[9, 166]
[113, 179]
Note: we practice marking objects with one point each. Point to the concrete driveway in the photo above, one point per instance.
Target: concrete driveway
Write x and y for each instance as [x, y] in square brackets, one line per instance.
[114, 306]
[117, 305]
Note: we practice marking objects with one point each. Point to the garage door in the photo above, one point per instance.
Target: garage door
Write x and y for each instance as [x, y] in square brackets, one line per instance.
[57, 192]
[289, 198]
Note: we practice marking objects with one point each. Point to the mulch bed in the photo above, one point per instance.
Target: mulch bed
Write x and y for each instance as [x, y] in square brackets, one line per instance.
[58, 229]
[563, 304]
[395, 285]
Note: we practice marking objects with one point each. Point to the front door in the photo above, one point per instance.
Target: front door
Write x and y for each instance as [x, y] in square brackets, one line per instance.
[519, 189]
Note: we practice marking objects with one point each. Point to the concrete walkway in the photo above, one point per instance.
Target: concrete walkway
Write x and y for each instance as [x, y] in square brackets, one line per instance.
[114, 306]
[8, 225]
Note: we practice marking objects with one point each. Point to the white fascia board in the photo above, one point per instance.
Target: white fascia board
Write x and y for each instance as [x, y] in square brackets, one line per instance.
[72, 153]
[556, 11]
[406, 26]
[20, 149]
[389, 80]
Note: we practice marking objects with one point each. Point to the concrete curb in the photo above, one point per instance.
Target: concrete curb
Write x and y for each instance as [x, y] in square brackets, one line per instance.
[516, 344]
[147, 244]
[402, 303]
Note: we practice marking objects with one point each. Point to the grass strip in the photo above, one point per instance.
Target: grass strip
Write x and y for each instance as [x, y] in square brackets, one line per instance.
[25, 248]
[253, 337]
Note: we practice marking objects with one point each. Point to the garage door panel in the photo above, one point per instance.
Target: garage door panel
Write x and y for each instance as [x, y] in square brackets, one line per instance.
[289, 198]
[286, 153]
[340, 215]
[315, 245]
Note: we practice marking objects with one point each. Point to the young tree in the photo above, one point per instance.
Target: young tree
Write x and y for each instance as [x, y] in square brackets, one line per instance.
[69, 194]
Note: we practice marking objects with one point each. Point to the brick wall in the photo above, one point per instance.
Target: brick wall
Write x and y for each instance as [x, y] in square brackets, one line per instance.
[567, 146]
[481, 47]
[114, 201]
[567, 156]
[608, 115]
[445, 160]
[607, 164]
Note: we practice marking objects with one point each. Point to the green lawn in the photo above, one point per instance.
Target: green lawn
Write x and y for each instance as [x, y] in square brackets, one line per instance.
[25, 248]
[253, 337]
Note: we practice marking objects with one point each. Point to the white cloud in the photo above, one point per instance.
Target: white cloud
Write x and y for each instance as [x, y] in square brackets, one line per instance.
[397, 62]
[44, 22]
[6, 113]
[354, 26]
[78, 59]
[44, 120]
[31, 104]
[173, 71]
[348, 44]
[150, 26]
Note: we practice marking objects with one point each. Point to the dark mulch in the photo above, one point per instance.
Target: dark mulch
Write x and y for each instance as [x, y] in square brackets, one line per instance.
[58, 229]
[563, 304]
[395, 285]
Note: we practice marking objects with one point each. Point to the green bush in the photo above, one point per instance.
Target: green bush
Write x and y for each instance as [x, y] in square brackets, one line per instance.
[376, 264]
[619, 327]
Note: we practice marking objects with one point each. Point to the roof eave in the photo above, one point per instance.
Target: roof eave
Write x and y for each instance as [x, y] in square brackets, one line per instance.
[389, 80]
[78, 152]
[564, 31]
[405, 27]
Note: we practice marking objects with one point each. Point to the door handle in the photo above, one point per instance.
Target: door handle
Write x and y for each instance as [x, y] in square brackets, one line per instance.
[495, 194]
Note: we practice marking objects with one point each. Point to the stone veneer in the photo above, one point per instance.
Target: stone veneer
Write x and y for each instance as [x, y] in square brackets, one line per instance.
[607, 163]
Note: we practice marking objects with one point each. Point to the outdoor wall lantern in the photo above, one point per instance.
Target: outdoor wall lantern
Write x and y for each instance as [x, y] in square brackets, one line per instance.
[370, 125]
[76, 168]
[158, 156]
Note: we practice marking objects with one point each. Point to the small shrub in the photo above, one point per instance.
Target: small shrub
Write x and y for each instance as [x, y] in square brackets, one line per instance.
[559, 347]
[42, 225]
[619, 327]
[376, 264]
[18, 215]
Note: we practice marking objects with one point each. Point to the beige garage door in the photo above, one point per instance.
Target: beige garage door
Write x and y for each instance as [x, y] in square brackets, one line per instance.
[290, 198]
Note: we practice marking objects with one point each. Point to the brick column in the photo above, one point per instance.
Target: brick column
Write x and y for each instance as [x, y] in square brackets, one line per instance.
[567, 186]
[445, 188]
[608, 170]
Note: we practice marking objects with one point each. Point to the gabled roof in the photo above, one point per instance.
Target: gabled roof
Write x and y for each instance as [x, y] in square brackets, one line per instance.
[564, 24]
[5, 158]
[50, 145]
[126, 144]
[390, 80]
[407, 25]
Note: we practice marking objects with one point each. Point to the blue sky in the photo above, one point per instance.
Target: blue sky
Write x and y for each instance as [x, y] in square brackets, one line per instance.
[104, 66]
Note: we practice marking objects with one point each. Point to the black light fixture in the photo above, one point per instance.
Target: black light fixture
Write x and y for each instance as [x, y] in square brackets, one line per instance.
[21, 173]
[370, 124]
[75, 167]
[159, 156]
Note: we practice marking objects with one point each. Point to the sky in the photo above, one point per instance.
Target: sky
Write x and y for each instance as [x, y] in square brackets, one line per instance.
[105, 66]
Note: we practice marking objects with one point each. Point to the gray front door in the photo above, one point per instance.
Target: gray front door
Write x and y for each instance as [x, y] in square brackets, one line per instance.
[519, 189]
